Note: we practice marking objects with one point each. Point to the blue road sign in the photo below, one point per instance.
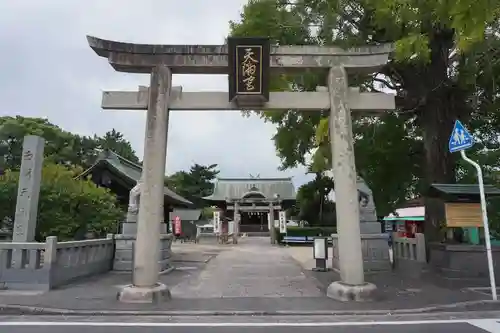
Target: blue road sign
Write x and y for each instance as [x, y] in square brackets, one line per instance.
[460, 138]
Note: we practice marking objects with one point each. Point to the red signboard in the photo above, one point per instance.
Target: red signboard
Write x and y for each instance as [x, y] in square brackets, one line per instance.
[177, 226]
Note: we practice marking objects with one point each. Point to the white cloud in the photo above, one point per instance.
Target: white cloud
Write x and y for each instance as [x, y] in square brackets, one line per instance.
[48, 70]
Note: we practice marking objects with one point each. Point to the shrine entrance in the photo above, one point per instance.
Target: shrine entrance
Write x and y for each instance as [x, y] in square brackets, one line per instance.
[254, 202]
[254, 222]
[249, 63]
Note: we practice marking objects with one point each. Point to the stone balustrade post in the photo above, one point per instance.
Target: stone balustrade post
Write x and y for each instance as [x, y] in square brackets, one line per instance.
[420, 248]
[50, 254]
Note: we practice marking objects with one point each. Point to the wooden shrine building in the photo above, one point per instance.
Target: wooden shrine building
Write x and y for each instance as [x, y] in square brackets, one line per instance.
[120, 175]
[255, 199]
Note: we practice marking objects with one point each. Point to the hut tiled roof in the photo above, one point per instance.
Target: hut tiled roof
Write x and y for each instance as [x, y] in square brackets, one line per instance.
[463, 189]
[131, 172]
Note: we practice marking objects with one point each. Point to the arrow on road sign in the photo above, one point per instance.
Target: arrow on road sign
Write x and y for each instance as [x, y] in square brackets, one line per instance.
[460, 138]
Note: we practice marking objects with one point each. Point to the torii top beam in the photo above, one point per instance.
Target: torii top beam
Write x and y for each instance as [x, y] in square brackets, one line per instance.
[212, 59]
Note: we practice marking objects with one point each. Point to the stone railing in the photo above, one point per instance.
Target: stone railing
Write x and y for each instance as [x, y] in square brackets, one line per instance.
[22, 266]
[209, 236]
[43, 266]
[206, 235]
[409, 249]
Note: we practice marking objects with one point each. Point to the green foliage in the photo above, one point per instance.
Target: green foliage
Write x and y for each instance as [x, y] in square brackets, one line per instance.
[114, 141]
[207, 213]
[68, 208]
[61, 147]
[413, 23]
[313, 204]
[493, 208]
[389, 159]
[195, 183]
[416, 44]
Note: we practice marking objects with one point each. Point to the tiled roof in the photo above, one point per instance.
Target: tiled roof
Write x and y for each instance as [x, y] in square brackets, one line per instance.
[463, 189]
[132, 172]
[237, 188]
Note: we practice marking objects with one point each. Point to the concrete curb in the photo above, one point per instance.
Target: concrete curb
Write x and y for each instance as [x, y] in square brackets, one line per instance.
[38, 310]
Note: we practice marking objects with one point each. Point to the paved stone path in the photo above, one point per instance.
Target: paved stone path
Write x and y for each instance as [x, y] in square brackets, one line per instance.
[253, 268]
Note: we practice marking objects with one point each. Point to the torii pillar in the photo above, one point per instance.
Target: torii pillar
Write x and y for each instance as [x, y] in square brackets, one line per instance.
[145, 287]
[347, 204]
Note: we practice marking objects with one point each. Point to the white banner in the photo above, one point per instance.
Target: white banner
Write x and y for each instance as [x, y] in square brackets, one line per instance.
[237, 222]
[282, 221]
[269, 221]
[216, 222]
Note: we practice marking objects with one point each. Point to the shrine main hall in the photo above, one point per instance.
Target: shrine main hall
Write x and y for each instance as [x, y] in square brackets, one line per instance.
[257, 200]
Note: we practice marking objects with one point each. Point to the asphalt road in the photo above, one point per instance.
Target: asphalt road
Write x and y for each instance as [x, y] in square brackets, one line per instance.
[338, 327]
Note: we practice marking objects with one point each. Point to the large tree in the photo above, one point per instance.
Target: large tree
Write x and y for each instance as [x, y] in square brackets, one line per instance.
[61, 147]
[114, 140]
[433, 73]
[313, 203]
[195, 183]
[68, 208]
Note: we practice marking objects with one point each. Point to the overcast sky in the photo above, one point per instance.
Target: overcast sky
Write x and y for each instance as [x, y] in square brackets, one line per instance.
[48, 70]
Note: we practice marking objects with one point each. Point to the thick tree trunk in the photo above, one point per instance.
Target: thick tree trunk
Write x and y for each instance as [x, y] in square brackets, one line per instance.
[437, 118]
[437, 124]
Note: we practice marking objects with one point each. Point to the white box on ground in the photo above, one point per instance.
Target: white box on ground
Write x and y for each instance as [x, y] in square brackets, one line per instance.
[320, 248]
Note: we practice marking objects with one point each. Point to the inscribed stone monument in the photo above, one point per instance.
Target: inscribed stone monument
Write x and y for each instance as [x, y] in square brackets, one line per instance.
[28, 192]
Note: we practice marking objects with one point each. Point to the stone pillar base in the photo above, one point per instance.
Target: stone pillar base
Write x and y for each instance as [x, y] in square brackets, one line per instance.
[124, 254]
[152, 295]
[351, 293]
[375, 251]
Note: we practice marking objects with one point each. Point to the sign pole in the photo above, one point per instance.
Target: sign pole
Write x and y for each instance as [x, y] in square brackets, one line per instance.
[485, 223]
[460, 140]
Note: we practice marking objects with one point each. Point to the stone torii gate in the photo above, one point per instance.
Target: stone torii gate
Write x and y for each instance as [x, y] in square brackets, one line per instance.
[249, 62]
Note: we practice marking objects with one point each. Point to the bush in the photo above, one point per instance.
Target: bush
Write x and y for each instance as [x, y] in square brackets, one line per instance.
[306, 231]
[67, 207]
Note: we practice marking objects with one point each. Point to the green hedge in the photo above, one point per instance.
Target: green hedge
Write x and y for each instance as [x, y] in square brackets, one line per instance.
[306, 231]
